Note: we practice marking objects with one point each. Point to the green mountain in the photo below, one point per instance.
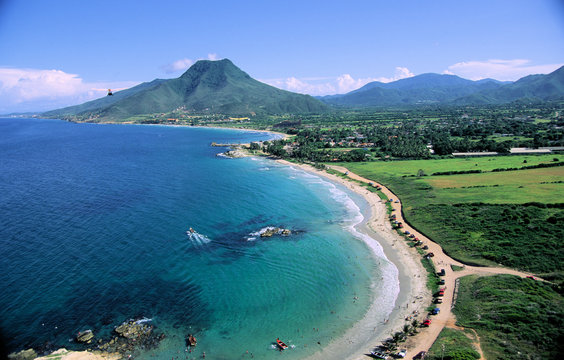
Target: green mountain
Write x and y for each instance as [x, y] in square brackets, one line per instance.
[533, 87]
[451, 89]
[206, 87]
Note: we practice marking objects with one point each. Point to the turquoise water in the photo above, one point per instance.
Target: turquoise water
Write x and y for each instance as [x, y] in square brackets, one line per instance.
[93, 222]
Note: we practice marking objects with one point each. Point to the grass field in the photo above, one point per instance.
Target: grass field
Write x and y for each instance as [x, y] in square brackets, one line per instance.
[515, 318]
[487, 163]
[453, 344]
[507, 187]
[495, 227]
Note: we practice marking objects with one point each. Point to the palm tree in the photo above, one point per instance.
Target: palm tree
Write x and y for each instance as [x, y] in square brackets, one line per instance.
[414, 326]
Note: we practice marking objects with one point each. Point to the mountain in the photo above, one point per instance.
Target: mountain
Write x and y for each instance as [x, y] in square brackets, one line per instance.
[206, 87]
[533, 87]
[451, 89]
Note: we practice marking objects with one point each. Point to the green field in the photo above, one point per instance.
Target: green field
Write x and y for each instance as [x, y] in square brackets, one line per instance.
[453, 345]
[483, 218]
[487, 163]
[507, 187]
[515, 318]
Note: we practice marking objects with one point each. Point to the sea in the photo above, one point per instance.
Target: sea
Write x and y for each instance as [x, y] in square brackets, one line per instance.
[95, 226]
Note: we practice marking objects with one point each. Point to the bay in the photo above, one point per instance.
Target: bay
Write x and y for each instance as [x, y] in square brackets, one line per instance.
[93, 231]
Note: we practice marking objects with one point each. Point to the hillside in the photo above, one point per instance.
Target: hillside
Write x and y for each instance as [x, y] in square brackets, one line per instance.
[206, 87]
[451, 89]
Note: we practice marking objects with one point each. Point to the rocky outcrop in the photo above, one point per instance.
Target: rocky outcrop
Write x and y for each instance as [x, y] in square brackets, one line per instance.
[28, 354]
[132, 335]
[85, 336]
[271, 231]
[234, 154]
[133, 329]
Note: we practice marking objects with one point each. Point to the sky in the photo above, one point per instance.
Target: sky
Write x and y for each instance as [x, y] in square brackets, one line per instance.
[55, 53]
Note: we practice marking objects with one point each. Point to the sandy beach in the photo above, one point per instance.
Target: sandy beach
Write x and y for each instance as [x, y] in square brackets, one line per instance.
[413, 295]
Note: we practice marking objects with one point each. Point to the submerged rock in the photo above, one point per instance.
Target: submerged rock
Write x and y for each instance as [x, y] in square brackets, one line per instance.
[85, 336]
[132, 329]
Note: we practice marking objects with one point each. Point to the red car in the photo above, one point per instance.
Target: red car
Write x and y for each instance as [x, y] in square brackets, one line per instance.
[427, 322]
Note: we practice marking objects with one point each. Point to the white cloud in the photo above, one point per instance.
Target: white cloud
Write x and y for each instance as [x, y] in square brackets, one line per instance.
[327, 85]
[178, 65]
[40, 90]
[184, 64]
[499, 69]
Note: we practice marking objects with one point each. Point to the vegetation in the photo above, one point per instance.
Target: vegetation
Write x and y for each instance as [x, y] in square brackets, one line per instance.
[453, 344]
[515, 318]
[488, 218]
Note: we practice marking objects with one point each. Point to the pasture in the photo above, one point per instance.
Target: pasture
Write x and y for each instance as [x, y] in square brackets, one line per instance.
[510, 218]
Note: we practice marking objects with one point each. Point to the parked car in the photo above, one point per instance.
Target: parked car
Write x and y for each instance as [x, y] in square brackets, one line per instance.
[402, 353]
[442, 272]
[420, 355]
[426, 323]
[438, 301]
[435, 311]
[441, 282]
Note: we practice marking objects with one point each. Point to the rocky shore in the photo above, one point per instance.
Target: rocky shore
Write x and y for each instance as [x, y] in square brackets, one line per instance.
[129, 338]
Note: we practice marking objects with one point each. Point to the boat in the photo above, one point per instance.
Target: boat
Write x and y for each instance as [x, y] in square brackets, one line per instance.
[192, 340]
[281, 344]
[190, 231]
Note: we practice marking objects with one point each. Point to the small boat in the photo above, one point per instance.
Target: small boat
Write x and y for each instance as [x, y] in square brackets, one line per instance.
[192, 340]
[281, 344]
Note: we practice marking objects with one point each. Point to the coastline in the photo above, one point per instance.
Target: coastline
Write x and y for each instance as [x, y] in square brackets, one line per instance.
[413, 295]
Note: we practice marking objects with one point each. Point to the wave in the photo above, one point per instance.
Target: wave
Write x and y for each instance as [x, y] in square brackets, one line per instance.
[389, 283]
[143, 320]
[197, 238]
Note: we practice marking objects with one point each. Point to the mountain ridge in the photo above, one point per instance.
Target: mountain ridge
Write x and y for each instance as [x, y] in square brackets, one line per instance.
[206, 87]
[452, 89]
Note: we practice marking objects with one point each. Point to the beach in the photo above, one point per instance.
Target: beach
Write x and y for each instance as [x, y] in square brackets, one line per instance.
[413, 296]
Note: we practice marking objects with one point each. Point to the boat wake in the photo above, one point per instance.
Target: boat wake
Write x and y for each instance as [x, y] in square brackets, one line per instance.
[197, 238]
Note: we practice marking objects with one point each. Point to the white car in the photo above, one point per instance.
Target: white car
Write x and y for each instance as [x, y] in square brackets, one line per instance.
[402, 353]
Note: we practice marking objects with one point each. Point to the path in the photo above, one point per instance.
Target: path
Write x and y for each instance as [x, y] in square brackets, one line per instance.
[427, 336]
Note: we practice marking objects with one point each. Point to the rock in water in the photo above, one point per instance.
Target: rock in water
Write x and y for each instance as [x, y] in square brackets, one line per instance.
[28, 354]
[132, 329]
[85, 336]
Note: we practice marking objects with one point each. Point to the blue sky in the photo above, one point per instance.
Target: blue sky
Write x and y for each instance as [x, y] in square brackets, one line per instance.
[57, 53]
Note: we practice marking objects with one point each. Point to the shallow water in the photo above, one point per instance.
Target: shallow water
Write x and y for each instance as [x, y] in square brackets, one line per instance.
[93, 231]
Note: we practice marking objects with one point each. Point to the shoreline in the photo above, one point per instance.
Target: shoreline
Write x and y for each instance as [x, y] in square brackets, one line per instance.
[413, 295]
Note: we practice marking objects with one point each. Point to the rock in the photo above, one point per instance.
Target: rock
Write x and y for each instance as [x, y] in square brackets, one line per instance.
[131, 329]
[268, 232]
[271, 231]
[28, 354]
[85, 336]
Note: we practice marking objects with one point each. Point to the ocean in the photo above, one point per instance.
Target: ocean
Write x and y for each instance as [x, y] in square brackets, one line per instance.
[94, 230]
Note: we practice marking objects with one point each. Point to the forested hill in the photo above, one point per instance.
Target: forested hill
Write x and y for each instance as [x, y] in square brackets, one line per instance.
[451, 89]
[206, 87]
